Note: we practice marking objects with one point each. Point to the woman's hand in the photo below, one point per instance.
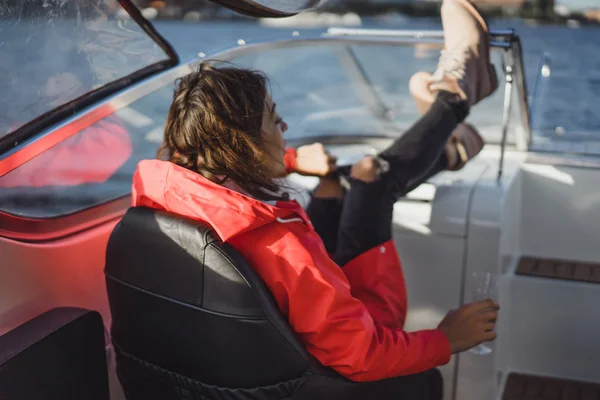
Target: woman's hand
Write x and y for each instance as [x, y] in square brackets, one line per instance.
[470, 325]
[314, 160]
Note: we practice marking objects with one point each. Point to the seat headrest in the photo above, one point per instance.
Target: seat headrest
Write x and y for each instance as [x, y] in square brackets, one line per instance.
[182, 260]
[187, 303]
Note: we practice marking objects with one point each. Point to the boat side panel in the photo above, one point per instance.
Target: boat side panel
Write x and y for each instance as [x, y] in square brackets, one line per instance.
[476, 375]
[550, 326]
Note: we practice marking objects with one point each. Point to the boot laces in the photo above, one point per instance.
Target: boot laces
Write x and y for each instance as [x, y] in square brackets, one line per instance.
[452, 62]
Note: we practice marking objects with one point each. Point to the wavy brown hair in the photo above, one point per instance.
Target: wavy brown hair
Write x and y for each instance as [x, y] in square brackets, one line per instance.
[214, 128]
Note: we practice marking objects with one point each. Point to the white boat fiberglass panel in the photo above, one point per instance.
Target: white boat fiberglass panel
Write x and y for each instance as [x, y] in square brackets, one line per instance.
[538, 228]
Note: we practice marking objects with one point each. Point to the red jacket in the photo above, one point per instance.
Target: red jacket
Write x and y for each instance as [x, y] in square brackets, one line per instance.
[350, 319]
[289, 160]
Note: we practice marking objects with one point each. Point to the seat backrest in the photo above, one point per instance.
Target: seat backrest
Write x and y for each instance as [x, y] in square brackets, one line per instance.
[56, 356]
[188, 309]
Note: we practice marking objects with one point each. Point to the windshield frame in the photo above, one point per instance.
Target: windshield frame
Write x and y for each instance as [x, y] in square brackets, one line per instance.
[42, 122]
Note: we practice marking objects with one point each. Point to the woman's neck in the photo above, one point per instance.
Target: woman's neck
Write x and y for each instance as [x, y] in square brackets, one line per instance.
[232, 185]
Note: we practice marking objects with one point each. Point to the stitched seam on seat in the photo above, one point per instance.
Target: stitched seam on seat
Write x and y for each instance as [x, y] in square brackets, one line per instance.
[222, 252]
[160, 296]
[304, 375]
[39, 339]
[206, 235]
[203, 275]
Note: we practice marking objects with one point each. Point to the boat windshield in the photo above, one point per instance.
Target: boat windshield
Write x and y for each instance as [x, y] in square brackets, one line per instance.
[347, 90]
[55, 52]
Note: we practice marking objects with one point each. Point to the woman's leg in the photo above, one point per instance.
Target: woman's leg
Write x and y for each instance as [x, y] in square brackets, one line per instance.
[325, 207]
[415, 154]
[464, 77]
[368, 206]
[325, 210]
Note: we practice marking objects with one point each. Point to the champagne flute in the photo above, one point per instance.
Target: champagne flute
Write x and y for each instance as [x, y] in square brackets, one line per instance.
[484, 286]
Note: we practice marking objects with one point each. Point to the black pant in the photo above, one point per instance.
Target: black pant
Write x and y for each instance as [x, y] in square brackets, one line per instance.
[363, 219]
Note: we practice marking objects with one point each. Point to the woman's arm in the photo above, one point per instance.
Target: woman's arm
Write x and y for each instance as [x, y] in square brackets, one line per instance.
[290, 160]
[336, 327]
[312, 160]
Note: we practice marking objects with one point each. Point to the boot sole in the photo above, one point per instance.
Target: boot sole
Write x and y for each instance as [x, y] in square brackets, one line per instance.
[487, 91]
[494, 78]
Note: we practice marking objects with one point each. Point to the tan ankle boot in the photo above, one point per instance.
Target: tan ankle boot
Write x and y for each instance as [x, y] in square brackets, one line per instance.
[465, 67]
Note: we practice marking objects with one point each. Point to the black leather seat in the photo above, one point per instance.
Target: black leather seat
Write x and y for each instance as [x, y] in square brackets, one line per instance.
[192, 320]
[59, 355]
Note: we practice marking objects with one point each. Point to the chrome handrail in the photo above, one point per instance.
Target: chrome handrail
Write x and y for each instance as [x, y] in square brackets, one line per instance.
[515, 62]
[437, 34]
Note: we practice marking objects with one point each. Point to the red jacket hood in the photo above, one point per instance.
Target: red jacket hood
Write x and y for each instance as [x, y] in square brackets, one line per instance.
[163, 185]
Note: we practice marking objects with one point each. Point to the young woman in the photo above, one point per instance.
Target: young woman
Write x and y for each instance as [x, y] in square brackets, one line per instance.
[223, 152]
